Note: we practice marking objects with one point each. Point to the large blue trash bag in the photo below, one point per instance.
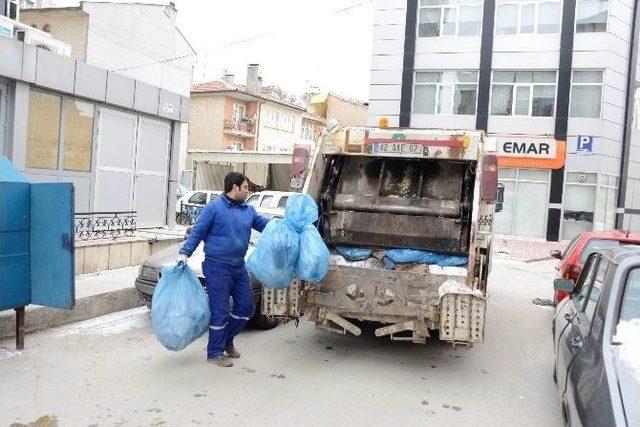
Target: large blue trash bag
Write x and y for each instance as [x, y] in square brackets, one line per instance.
[179, 308]
[400, 256]
[313, 260]
[273, 260]
[301, 210]
[354, 254]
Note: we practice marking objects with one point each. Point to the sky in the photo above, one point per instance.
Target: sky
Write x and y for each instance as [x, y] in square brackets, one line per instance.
[326, 43]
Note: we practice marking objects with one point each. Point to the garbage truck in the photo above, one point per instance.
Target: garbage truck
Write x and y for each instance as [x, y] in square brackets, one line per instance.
[431, 191]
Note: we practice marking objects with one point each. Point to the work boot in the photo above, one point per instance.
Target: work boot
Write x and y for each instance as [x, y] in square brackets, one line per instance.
[221, 361]
[232, 352]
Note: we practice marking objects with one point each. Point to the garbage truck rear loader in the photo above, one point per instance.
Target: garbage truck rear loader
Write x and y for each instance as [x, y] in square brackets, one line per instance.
[419, 189]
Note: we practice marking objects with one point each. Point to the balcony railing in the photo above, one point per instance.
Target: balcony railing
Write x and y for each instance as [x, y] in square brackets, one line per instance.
[104, 225]
[243, 126]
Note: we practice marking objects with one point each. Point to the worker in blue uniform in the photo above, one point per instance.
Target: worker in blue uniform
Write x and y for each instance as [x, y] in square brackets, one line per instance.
[225, 226]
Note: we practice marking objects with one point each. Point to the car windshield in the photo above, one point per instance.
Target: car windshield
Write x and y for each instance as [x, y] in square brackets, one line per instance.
[597, 244]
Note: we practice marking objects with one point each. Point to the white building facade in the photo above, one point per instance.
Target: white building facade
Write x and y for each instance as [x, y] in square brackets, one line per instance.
[547, 80]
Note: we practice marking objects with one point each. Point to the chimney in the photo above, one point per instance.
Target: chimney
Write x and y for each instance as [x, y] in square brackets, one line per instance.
[171, 12]
[228, 77]
[254, 79]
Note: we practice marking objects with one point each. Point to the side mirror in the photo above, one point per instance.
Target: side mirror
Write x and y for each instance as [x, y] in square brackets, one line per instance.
[556, 254]
[500, 198]
[563, 285]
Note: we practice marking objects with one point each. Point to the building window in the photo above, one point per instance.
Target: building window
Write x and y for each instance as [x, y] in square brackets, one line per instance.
[78, 134]
[43, 132]
[591, 16]
[523, 93]
[532, 17]
[46, 144]
[586, 94]
[238, 113]
[308, 131]
[446, 92]
[449, 18]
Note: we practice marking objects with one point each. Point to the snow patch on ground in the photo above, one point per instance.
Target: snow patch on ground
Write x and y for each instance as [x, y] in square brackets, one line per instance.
[5, 353]
[110, 324]
[628, 334]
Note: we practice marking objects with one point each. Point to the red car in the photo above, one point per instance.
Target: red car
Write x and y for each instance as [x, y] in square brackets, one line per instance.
[578, 250]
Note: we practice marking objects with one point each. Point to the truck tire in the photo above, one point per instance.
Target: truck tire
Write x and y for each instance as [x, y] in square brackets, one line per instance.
[260, 321]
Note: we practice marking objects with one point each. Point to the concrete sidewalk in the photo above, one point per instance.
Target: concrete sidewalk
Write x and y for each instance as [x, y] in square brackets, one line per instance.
[97, 294]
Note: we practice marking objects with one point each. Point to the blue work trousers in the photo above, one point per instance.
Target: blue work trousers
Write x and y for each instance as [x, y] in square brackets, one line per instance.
[224, 281]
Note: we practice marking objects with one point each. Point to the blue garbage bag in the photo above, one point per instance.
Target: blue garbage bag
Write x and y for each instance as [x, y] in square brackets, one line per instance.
[313, 260]
[301, 210]
[179, 308]
[354, 254]
[453, 260]
[273, 260]
[417, 256]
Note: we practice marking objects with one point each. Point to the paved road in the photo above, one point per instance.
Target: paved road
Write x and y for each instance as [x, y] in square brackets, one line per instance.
[111, 371]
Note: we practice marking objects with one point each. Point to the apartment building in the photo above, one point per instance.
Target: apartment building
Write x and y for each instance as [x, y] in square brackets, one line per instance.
[549, 81]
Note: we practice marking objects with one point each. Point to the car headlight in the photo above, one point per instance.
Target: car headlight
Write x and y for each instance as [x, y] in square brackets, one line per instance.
[150, 272]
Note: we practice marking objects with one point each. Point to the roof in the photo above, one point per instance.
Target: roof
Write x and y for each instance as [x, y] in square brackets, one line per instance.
[322, 97]
[312, 117]
[220, 86]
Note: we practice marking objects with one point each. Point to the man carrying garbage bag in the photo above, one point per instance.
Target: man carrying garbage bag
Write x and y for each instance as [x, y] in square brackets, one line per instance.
[225, 226]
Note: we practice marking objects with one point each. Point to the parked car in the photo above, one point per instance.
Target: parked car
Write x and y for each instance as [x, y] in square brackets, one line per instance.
[189, 206]
[596, 333]
[269, 203]
[575, 254]
[150, 271]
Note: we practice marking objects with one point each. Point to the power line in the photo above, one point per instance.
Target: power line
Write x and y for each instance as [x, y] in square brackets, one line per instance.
[237, 42]
[175, 58]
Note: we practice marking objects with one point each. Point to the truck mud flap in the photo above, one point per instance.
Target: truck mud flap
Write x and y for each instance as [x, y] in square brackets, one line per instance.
[462, 318]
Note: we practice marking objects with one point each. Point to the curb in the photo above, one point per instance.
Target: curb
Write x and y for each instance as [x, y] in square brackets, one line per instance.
[40, 318]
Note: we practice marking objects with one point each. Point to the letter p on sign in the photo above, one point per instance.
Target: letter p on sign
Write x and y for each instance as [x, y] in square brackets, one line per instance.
[585, 145]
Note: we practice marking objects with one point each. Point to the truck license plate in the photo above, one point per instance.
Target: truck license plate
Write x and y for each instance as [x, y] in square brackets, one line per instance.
[397, 148]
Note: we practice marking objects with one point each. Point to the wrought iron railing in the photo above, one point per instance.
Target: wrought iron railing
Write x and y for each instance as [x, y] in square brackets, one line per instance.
[188, 214]
[104, 225]
[243, 126]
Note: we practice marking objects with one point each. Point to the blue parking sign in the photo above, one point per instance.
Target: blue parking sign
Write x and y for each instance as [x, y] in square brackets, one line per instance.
[585, 145]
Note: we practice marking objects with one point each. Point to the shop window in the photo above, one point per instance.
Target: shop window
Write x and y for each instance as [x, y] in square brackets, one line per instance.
[523, 93]
[43, 131]
[591, 16]
[579, 203]
[531, 17]
[586, 94]
[446, 92]
[438, 18]
[78, 135]
[606, 202]
[45, 141]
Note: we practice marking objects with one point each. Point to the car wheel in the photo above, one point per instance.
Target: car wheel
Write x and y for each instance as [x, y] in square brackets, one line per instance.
[182, 219]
